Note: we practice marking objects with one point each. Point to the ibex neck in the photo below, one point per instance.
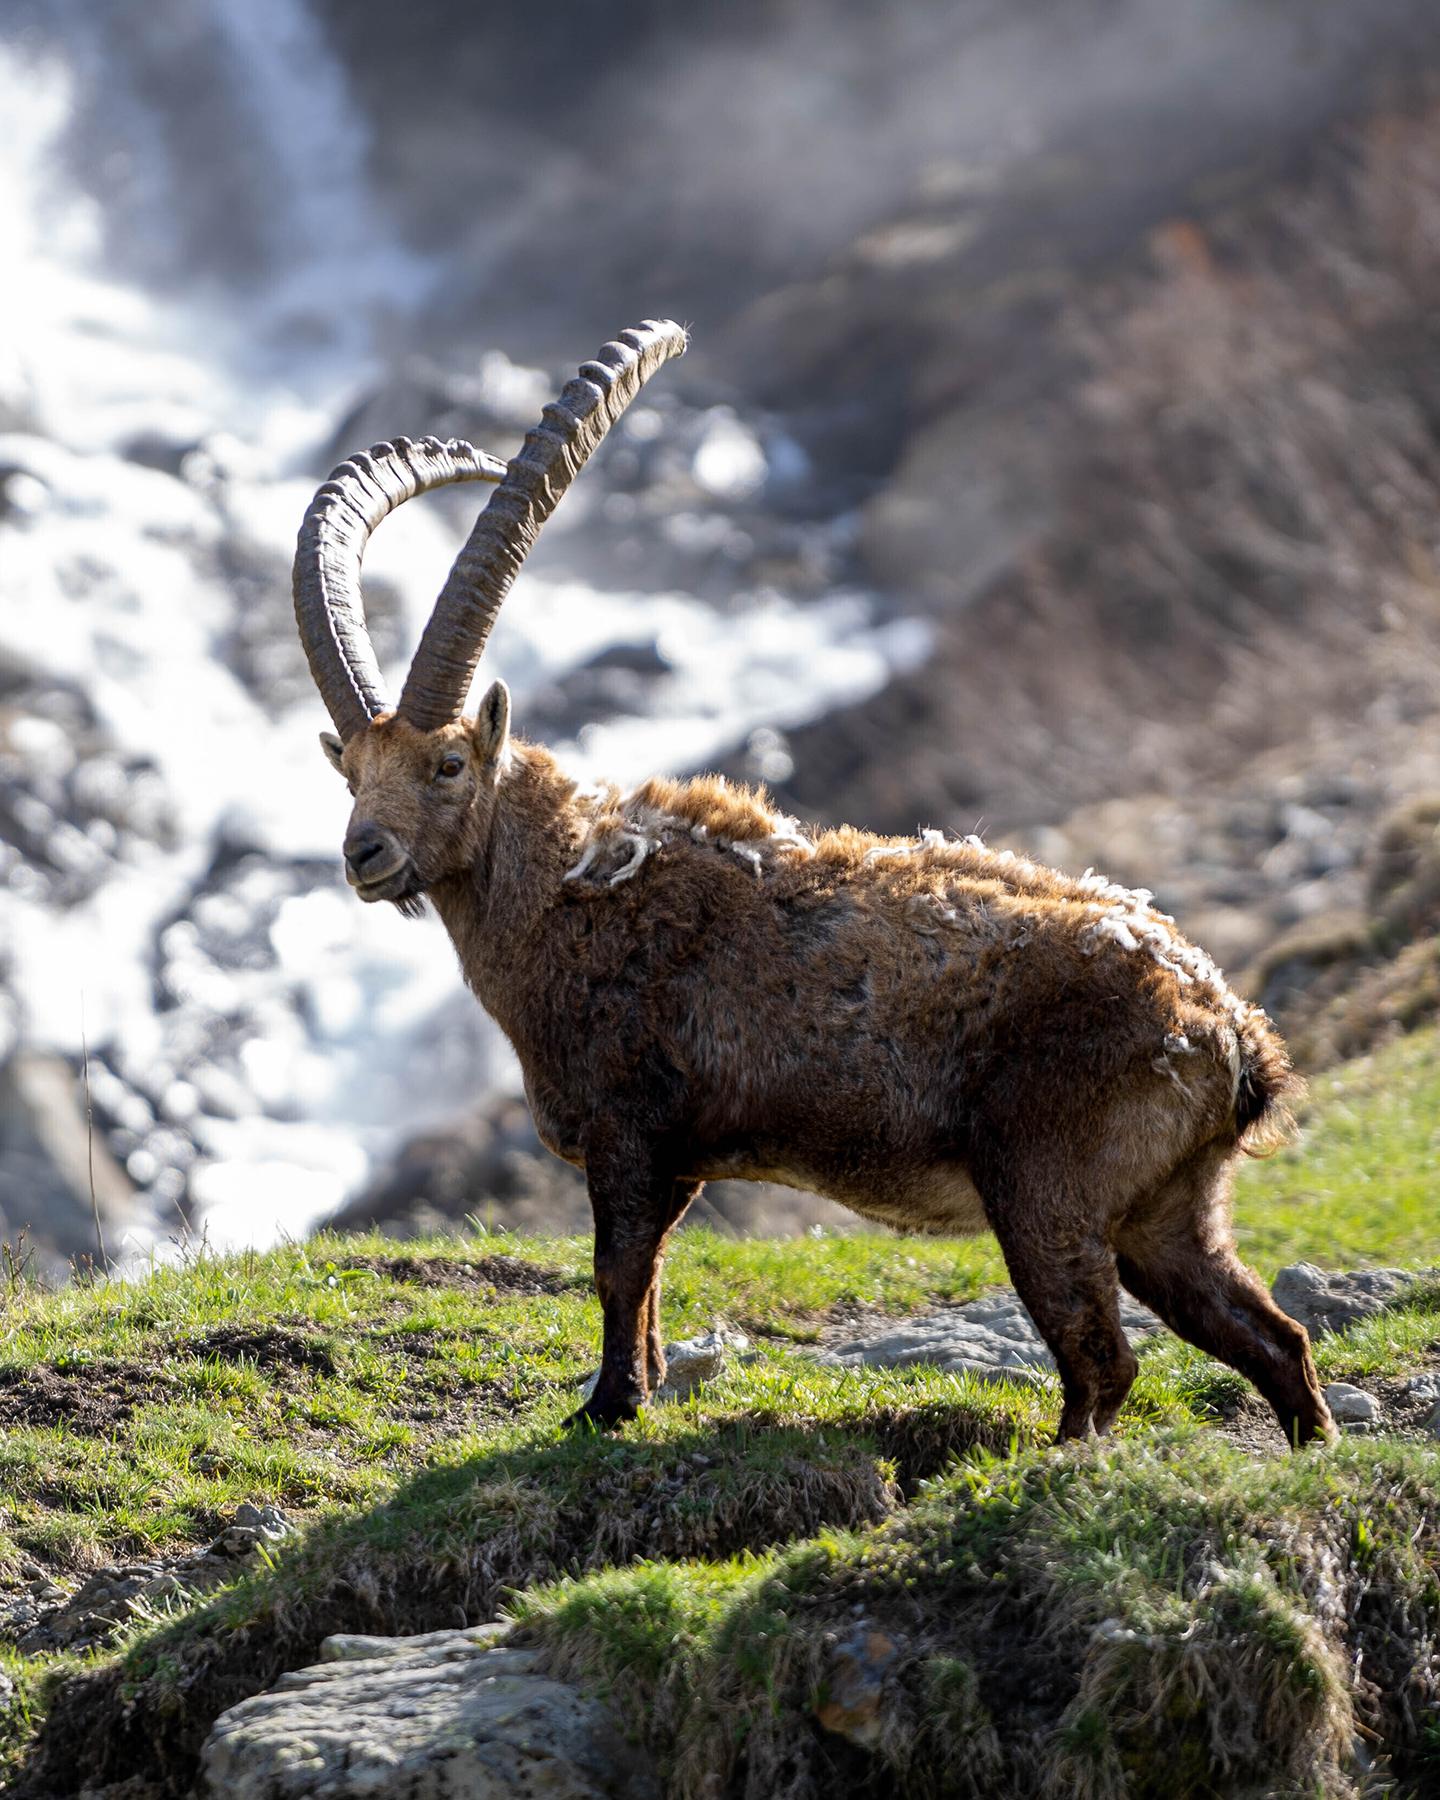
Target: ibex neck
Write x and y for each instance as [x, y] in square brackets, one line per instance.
[496, 912]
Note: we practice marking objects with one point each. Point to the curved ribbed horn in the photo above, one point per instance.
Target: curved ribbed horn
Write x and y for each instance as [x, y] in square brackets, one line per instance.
[552, 456]
[337, 526]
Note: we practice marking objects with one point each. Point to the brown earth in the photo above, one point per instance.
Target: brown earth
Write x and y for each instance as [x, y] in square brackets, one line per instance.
[95, 1398]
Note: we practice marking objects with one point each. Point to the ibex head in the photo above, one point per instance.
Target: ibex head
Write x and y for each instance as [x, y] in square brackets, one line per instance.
[424, 776]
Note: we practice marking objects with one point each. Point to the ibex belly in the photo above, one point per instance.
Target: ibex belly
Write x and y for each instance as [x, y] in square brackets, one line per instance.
[940, 1200]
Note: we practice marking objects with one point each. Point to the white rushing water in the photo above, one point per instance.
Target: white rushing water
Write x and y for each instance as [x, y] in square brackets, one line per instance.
[259, 1036]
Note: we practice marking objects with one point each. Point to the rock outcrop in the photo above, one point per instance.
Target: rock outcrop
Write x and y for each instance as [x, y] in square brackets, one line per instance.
[993, 1338]
[1324, 1301]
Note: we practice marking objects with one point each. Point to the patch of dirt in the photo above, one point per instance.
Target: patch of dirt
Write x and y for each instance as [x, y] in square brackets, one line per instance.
[267, 1346]
[1253, 1428]
[96, 1398]
[1249, 1423]
[505, 1274]
[446, 1395]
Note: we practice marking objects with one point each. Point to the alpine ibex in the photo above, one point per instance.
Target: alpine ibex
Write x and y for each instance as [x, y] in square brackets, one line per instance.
[940, 1036]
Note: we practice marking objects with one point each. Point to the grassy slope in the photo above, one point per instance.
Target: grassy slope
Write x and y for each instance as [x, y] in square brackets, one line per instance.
[405, 1406]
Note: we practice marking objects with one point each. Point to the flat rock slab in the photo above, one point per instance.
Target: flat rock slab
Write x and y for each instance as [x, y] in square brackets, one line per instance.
[452, 1715]
[1325, 1300]
[993, 1338]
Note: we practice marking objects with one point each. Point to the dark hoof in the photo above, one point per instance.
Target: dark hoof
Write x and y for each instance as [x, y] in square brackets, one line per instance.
[1320, 1430]
[602, 1415]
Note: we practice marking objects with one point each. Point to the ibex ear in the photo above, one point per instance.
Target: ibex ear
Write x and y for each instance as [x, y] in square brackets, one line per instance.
[491, 731]
[333, 749]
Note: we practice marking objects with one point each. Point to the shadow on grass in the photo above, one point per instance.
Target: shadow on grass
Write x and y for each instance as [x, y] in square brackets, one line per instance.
[452, 1542]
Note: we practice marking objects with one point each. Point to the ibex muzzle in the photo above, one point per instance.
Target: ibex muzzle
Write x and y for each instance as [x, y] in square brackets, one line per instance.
[940, 1036]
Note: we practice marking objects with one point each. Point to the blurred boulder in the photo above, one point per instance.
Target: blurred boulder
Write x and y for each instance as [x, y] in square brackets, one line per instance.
[491, 404]
[71, 802]
[1353, 975]
[489, 1168]
[49, 1158]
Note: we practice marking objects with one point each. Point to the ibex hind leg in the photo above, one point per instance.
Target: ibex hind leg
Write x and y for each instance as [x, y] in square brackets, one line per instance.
[683, 1193]
[1176, 1255]
[1068, 1283]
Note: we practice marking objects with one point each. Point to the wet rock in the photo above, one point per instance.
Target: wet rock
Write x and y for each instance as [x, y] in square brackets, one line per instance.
[73, 805]
[451, 1715]
[993, 1338]
[1325, 1301]
[1352, 1405]
[856, 1686]
[492, 403]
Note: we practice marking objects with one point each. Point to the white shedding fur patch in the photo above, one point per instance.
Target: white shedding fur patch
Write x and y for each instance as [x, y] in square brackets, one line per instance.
[928, 840]
[642, 832]
[1125, 917]
[1129, 918]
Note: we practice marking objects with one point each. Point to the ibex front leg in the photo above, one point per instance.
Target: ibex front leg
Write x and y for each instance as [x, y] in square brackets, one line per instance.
[634, 1206]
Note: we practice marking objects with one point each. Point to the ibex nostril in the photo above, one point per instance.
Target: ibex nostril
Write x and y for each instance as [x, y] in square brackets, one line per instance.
[358, 855]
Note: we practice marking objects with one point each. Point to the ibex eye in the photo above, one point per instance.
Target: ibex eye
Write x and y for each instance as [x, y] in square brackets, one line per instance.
[450, 766]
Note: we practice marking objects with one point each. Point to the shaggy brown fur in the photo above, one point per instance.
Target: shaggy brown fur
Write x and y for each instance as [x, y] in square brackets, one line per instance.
[940, 1036]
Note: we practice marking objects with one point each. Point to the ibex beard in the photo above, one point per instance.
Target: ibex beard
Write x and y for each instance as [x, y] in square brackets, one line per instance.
[942, 1037]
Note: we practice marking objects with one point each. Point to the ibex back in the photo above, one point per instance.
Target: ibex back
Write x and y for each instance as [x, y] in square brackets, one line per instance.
[937, 1035]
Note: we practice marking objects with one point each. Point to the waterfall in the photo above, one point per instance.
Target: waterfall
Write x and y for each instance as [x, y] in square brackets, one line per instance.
[168, 828]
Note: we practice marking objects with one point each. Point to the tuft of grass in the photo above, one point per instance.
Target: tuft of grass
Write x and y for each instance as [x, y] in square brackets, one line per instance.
[1163, 1617]
[1358, 1189]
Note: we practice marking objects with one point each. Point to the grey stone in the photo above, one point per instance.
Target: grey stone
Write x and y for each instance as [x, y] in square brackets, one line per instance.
[1423, 1388]
[55, 1171]
[357, 1646]
[46, 1617]
[993, 1338]
[1432, 1424]
[1325, 1301]
[452, 1715]
[693, 1361]
[690, 1362]
[1351, 1405]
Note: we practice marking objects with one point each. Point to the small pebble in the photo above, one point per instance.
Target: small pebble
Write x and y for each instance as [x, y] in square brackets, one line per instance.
[1351, 1405]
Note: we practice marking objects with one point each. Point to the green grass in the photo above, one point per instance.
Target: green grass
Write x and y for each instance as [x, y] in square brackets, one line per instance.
[1359, 1189]
[1140, 1622]
[401, 1403]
